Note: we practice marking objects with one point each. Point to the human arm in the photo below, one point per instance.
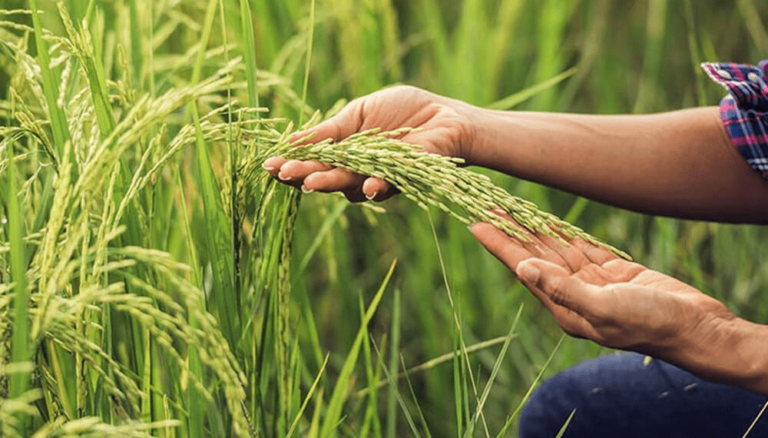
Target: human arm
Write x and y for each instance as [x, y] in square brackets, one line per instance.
[594, 294]
[678, 164]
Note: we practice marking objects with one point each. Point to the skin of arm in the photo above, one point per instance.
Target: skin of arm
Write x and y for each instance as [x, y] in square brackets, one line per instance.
[678, 164]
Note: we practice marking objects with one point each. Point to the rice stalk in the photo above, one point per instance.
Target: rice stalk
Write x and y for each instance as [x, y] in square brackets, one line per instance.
[20, 351]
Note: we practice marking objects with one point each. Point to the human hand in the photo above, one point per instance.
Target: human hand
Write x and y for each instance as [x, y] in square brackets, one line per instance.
[594, 294]
[445, 128]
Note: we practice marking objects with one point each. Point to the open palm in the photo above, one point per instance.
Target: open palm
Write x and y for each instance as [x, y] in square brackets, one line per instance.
[594, 294]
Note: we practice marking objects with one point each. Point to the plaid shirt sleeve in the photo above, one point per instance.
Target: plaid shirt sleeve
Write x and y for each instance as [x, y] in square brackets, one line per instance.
[745, 109]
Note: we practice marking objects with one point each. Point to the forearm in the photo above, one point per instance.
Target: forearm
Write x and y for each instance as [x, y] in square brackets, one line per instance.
[678, 164]
[733, 352]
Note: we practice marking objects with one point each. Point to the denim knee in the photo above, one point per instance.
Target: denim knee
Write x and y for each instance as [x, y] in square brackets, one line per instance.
[546, 410]
[621, 395]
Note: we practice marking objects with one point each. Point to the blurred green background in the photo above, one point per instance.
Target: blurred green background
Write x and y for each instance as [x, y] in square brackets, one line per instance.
[618, 57]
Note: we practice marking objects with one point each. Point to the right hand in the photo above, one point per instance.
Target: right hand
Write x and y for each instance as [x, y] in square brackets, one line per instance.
[445, 128]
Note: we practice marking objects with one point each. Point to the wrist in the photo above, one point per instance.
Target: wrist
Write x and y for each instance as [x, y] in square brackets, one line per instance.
[750, 349]
[725, 349]
[472, 131]
[478, 150]
[511, 142]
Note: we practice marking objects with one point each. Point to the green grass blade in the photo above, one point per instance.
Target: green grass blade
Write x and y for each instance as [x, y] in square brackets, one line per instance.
[310, 393]
[457, 386]
[308, 62]
[218, 230]
[437, 361]
[370, 411]
[146, 379]
[654, 52]
[137, 54]
[494, 372]
[456, 320]
[233, 154]
[314, 427]
[218, 238]
[393, 364]
[432, 22]
[576, 209]
[322, 232]
[195, 402]
[249, 54]
[21, 347]
[340, 390]
[561, 433]
[95, 77]
[751, 16]
[415, 400]
[210, 14]
[471, 50]
[553, 17]
[398, 397]
[693, 50]
[539, 376]
[50, 86]
[521, 96]
[509, 12]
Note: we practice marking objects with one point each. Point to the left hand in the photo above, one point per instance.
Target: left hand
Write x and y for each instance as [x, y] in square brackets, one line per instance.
[594, 294]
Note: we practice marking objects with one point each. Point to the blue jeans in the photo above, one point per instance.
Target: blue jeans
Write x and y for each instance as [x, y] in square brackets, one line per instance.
[617, 396]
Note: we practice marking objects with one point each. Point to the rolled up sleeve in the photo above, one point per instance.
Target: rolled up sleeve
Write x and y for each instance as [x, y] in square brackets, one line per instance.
[745, 109]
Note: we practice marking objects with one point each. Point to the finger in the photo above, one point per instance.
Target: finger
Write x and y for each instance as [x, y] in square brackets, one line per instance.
[377, 189]
[598, 255]
[513, 254]
[534, 245]
[573, 256]
[334, 180]
[338, 127]
[559, 285]
[509, 251]
[273, 165]
[295, 170]
[620, 270]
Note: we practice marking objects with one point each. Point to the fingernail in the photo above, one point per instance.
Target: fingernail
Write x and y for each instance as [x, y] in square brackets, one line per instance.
[305, 189]
[528, 273]
[370, 198]
[499, 210]
[269, 168]
[283, 177]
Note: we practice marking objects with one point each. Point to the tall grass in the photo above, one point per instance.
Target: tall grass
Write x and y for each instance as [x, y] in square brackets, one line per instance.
[156, 282]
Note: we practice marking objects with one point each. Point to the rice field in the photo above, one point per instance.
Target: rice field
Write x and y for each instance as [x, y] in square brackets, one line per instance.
[157, 282]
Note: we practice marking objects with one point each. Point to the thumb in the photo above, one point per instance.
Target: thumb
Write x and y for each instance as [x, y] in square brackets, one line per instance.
[558, 285]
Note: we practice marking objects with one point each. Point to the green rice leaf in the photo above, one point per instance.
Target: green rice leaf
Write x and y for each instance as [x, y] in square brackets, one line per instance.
[344, 381]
